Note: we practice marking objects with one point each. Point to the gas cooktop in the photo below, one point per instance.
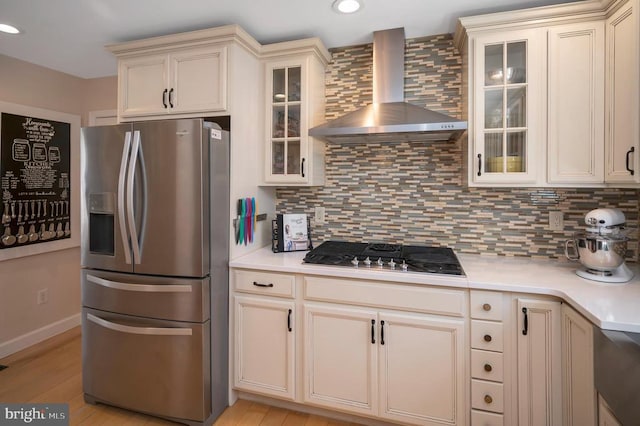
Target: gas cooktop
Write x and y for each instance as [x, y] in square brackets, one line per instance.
[432, 260]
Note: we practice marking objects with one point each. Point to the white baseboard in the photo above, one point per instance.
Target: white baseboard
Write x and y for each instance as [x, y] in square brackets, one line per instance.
[36, 336]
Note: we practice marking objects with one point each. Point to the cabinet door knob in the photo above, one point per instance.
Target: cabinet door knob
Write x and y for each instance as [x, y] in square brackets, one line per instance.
[487, 337]
[486, 307]
[488, 368]
[488, 399]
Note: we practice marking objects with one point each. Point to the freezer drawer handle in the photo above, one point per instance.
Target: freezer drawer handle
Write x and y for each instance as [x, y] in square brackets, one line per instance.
[176, 288]
[150, 331]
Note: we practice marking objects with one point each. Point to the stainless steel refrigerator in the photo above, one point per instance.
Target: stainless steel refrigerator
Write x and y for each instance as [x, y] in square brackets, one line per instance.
[155, 232]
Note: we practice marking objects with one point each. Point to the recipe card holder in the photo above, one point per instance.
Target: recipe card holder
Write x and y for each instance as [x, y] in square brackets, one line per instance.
[277, 240]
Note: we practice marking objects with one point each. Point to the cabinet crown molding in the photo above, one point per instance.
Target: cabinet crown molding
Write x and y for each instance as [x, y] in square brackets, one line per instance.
[224, 34]
[534, 17]
[218, 35]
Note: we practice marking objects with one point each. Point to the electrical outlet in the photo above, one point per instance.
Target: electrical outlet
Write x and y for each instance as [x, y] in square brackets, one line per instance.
[43, 296]
[319, 217]
[556, 221]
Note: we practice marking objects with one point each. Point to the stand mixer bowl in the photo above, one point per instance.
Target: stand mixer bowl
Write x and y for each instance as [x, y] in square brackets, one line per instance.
[597, 252]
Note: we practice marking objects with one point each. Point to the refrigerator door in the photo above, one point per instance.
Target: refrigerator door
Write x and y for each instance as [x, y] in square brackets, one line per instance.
[104, 155]
[171, 198]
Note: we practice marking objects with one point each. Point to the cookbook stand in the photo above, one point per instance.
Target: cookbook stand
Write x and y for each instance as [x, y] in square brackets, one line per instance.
[277, 244]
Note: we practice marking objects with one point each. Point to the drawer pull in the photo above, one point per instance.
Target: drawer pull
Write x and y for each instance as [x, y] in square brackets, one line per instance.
[488, 399]
[486, 307]
[487, 337]
[488, 368]
[257, 284]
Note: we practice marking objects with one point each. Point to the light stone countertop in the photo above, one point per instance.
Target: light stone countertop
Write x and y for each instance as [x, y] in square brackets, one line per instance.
[609, 306]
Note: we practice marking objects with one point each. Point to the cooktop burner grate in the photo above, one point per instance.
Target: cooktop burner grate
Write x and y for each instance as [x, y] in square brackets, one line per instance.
[432, 260]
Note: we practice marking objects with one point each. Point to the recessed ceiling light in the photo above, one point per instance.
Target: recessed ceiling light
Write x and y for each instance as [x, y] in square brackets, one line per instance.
[347, 6]
[9, 29]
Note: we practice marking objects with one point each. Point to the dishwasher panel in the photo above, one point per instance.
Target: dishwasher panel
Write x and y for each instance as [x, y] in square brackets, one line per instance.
[153, 366]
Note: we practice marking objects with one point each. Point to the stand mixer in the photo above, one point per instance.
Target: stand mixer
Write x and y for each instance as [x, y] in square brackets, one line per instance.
[601, 248]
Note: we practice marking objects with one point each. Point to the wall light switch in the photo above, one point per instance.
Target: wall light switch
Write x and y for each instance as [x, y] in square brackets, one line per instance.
[319, 215]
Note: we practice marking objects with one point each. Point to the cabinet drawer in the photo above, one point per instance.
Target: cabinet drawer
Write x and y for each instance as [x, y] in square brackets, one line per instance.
[481, 418]
[486, 335]
[487, 396]
[486, 365]
[486, 305]
[396, 296]
[268, 283]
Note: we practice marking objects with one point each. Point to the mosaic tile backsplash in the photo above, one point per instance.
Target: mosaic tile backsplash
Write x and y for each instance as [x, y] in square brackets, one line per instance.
[412, 193]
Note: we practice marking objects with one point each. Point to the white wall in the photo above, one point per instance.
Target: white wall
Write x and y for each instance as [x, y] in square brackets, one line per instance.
[22, 321]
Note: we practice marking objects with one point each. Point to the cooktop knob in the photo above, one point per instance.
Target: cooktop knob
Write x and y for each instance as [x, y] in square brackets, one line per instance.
[355, 261]
[367, 262]
[404, 266]
[392, 264]
[380, 262]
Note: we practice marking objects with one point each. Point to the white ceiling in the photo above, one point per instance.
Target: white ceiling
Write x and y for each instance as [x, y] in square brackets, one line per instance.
[69, 35]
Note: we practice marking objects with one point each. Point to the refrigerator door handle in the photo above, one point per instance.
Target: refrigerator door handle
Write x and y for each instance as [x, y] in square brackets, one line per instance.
[121, 197]
[149, 331]
[130, 177]
[149, 288]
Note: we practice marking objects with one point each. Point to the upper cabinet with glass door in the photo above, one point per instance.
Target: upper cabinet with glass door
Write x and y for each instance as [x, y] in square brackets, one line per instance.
[294, 103]
[507, 83]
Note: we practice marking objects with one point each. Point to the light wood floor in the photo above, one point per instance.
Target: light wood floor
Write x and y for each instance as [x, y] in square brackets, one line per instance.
[51, 372]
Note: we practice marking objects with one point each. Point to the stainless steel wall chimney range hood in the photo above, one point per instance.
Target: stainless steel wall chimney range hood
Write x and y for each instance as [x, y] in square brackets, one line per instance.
[389, 118]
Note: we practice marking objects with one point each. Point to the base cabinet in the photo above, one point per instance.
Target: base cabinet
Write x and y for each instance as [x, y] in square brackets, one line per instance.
[264, 346]
[538, 362]
[578, 388]
[401, 367]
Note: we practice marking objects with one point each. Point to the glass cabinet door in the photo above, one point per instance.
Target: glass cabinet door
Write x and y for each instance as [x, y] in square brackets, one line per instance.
[505, 108]
[285, 121]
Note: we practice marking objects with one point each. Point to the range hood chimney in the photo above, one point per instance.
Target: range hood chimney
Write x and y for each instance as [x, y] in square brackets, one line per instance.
[389, 118]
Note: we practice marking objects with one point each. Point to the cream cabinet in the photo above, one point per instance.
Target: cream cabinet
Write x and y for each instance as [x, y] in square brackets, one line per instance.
[575, 103]
[506, 136]
[402, 367]
[294, 103]
[578, 387]
[551, 96]
[622, 101]
[490, 395]
[184, 81]
[392, 351]
[539, 372]
[264, 333]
